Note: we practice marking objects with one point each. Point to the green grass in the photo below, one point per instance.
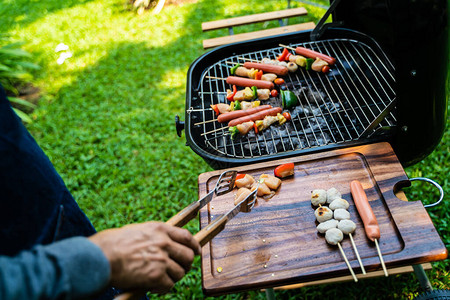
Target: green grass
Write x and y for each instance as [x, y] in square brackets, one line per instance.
[106, 119]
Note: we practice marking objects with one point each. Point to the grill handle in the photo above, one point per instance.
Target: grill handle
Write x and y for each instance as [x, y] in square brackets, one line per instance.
[321, 26]
[179, 125]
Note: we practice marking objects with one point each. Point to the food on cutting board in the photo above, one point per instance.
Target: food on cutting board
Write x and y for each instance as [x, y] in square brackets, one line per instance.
[334, 236]
[318, 197]
[323, 227]
[323, 214]
[339, 203]
[341, 214]
[284, 170]
[264, 190]
[268, 185]
[365, 211]
[346, 226]
[335, 229]
[241, 194]
[247, 181]
[333, 194]
[271, 181]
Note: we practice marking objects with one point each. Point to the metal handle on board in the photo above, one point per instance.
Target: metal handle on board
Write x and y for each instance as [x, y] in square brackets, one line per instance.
[441, 190]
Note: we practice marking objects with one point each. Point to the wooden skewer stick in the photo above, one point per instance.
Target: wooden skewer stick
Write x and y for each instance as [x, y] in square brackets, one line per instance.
[222, 128]
[348, 264]
[285, 46]
[357, 254]
[212, 77]
[381, 258]
[204, 122]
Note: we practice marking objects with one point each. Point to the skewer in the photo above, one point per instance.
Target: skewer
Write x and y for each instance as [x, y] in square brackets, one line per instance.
[204, 122]
[285, 46]
[381, 258]
[346, 261]
[212, 77]
[357, 254]
[204, 133]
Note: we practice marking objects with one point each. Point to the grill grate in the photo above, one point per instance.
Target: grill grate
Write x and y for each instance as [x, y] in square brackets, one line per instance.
[351, 101]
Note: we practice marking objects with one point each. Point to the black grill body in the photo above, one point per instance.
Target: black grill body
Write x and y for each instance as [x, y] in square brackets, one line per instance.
[414, 34]
[414, 39]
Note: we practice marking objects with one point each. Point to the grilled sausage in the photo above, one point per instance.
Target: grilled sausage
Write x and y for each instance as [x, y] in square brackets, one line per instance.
[365, 211]
[313, 54]
[240, 81]
[222, 118]
[256, 116]
[279, 70]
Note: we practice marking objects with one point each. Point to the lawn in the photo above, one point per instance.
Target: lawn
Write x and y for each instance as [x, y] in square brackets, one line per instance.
[106, 119]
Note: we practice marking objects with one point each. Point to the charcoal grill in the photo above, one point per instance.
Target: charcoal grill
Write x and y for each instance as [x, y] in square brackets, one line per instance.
[370, 96]
[359, 102]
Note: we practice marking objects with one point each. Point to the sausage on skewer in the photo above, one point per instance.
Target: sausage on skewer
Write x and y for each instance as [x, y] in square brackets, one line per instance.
[240, 113]
[268, 68]
[368, 217]
[365, 211]
[256, 116]
[314, 54]
[246, 82]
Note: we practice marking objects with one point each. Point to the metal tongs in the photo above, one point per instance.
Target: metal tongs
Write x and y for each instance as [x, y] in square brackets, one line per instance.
[225, 184]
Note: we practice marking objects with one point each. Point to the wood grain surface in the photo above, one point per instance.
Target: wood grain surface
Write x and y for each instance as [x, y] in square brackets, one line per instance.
[277, 242]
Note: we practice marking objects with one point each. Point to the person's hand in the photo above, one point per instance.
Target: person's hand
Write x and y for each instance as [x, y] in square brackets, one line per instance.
[149, 256]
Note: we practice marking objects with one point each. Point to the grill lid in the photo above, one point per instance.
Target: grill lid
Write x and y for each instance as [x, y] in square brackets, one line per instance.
[353, 101]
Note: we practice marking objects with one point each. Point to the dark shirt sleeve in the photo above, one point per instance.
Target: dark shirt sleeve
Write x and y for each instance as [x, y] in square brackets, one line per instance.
[74, 268]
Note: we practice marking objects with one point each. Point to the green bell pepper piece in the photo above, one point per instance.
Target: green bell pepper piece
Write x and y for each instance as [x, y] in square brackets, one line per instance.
[255, 92]
[288, 99]
[234, 131]
[233, 69]
[237, 105]
[309, 62]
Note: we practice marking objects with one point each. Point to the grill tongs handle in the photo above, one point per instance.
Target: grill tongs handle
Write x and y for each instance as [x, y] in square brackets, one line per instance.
[224, 184]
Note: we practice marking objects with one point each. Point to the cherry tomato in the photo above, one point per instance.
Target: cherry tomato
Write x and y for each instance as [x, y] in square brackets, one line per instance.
[284, 170]
[287, 116]
[325, 69]
[273, 93]
[279, 81]
[240, 176]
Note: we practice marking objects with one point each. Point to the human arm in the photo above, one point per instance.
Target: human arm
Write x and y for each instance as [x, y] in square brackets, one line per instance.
[150, 256]
[70, 269]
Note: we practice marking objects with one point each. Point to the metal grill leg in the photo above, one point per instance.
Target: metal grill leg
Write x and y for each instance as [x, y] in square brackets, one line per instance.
[422, 277]
[270, 294]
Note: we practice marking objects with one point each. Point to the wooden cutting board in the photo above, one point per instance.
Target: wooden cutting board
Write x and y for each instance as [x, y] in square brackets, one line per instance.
[277, 242]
